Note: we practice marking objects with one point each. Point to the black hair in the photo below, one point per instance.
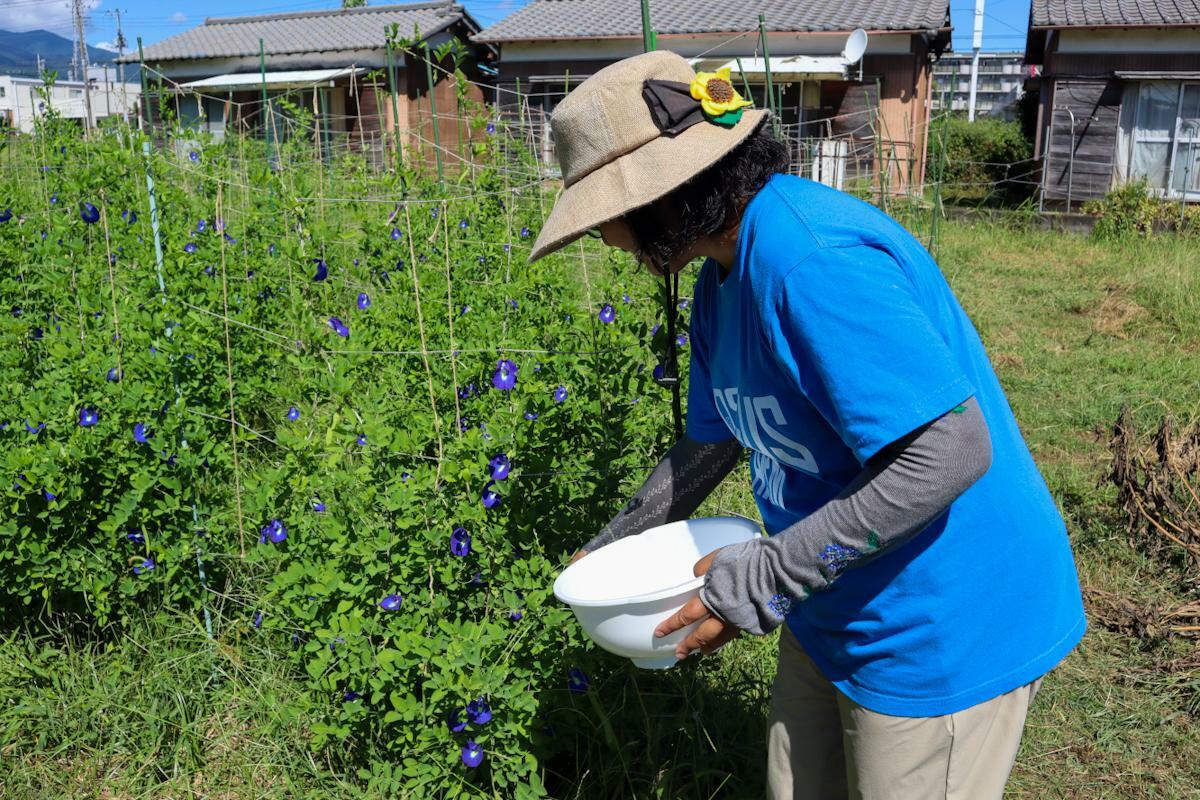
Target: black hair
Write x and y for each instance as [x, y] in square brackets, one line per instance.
[710, 202]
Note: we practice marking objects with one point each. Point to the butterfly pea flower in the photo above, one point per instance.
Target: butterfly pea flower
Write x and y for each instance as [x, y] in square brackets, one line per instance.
[462, 425]
[362, 439]
[500, 466]
[273, 530]
[462, 224]
[491, 127]
[258, 618]
[404, 477]
[531, 415]
[505, 376]
[322, 271]
[513, 303]
[49, 495]
[88, 417]
[654, 330]
[146, 565]
[113, 376]
[350, 696]
[391, 603]
[339, 328]
[472, 754]
[193, 156]
[464, 310]
[89, 213]
[6, 215]
[230, 239]
[139, 433]
[129, 215]
[336, 641]
[318, 506]
[560, 394]
[455, 721]
[476, 579]
[507, 247]
[37, 333]
[136, 536]
[208, 270]
[490, 497]
[364, 302]
[201, 226]
[396, 234]
[524, 233]
[681, 339]
[515, 616]
[190, 247]
[479, 712]
[54, 196]
[460, 542]
[607, 313]
[577, 680]
[293, 414]
[41, 426]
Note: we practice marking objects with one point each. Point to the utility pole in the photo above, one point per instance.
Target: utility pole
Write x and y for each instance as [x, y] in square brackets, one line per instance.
[976, 44]
[87, 86]
[121, 64]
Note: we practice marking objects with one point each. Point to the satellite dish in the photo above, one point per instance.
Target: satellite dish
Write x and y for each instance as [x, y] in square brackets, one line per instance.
[856, 45]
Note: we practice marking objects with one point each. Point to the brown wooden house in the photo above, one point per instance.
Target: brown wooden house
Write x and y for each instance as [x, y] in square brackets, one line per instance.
[332, 64]
[858, 116]
[1119, 96]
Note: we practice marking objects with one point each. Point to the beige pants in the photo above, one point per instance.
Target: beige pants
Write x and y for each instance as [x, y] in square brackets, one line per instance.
[821, 744]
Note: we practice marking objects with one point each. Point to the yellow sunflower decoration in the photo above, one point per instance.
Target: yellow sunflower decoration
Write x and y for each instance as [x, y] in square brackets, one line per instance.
[720, 101]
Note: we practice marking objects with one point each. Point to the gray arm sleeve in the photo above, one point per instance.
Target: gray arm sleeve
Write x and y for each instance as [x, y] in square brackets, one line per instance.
[678, 485]
[901, 490]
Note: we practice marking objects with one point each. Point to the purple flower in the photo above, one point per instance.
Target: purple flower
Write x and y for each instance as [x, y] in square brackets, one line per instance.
[129, 215]
[607, 313]
[524, 233]
[654, 330]
[505, 376]
[258, 618]
[350, 696]
[318, 506]
[136, 536]
[560, 394]
[190, 247]
[270, 249]
[89, 213]
[396, 234]
[515, 616]
[513, 303]
[464, 310]
[681, 339]
[201, 225]
[462, 224]
[404, 477]
[113, 375]
[626, 298]
[273, 530]
[364, 302]
[490, 497]
[194, 156]
[491, 127]
[88, 417]
[684, 302]
[6, 215]
[293, 414]
[391, 602]
[362, 440]
[339, 328]
[49, 495]
[145, 566]
[479, 712]
[476, 580]
[531, 415]
[139, 433]
[455, 721]
[322, 270]
[500, 466]
[35, 430]
[460, 542]
[472, 754]
[577, 680]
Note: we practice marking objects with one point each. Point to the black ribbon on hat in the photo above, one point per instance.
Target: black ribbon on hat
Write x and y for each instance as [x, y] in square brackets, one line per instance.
[672, 106]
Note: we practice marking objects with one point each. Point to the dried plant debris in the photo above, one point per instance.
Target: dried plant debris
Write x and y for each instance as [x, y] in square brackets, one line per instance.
[1146, 622]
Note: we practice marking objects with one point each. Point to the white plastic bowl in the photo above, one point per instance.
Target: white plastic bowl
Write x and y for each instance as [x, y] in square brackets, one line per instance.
[621, 592]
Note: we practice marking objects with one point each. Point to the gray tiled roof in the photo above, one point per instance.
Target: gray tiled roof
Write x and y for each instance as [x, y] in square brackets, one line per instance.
[570, 19]
[302, 32]
[1085, 13]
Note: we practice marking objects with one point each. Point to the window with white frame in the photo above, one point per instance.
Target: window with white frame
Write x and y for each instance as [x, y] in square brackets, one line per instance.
[1160, 136]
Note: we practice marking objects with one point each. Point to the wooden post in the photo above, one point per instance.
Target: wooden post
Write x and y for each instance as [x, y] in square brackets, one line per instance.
[437, 140]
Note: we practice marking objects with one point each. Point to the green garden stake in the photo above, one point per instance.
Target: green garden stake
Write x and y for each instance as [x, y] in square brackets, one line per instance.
[391, 72]
[762, 36]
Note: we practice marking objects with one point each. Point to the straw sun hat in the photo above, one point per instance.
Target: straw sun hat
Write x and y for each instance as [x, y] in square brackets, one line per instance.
[632, 133]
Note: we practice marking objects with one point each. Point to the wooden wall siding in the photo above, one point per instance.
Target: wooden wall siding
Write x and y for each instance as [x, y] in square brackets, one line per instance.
[416, 110]
[1085, 161]
[1103, 64]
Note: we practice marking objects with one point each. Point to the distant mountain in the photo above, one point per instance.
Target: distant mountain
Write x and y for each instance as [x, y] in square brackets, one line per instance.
[19, 51]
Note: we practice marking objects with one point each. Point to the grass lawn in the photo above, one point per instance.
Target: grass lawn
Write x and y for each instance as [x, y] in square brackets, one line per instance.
[1075, 329]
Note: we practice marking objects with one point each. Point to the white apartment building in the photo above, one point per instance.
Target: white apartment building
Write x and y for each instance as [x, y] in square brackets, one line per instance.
[20, 103]
[1001, 77]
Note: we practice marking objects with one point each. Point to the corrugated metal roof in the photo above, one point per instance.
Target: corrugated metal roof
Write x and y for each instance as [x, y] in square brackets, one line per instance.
[303, 32]
[280, 79]
[575, 19]
[1088, 13]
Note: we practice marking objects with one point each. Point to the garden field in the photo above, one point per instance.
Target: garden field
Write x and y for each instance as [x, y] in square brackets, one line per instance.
[291, 453]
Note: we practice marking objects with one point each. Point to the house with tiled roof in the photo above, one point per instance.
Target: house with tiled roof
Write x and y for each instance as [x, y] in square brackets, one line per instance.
[1119, 96]
[871, 113]
[332, 62]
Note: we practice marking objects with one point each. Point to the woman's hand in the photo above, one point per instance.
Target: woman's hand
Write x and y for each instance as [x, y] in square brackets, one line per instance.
[711, 634]
[578, 555]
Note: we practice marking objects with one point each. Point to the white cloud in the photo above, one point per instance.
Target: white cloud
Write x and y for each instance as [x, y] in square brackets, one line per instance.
[52, 15]
[179, 18]
[109, 46]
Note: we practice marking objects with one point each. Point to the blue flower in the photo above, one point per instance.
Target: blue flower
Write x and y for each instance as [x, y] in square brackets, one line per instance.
[49, 495]
[513, 303]
[89, 213]
[129, 215]
[190, 247]
[322, 270]
[88, 417]
[505, 376]
[560, 394]
[136, 536]
[273, 530]
[318, 506]
[515, 616]
[491, 127]
[201, 225]
[349, 696]
[362, 439]
[391, 602]
[6, 215]
[500, 466]
[139, 433]
[396, 234]
[460, 542]
[113, 375]
[531, 415]
[462, 224]
[626, 298]
[472, 754]
[479, 712]
[681, 339]
[490, 497]
[477, 580]
[404, 477]
[338, 327]
[53, 197]
[464, 310]
[364, 302]
[145, 566]
[35, 430]
[577, 680]
[455, 721]
[293, 414]
[258, 618]
[654, 330]
[683, 303]
[524, 233]
[607, 313]
[270, 249]
[194, 156]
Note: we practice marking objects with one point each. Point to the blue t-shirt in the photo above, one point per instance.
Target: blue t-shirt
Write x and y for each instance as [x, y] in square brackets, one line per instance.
[833, 335]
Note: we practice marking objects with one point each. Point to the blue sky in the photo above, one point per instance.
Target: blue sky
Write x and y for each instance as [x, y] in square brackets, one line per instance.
[154, 20]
